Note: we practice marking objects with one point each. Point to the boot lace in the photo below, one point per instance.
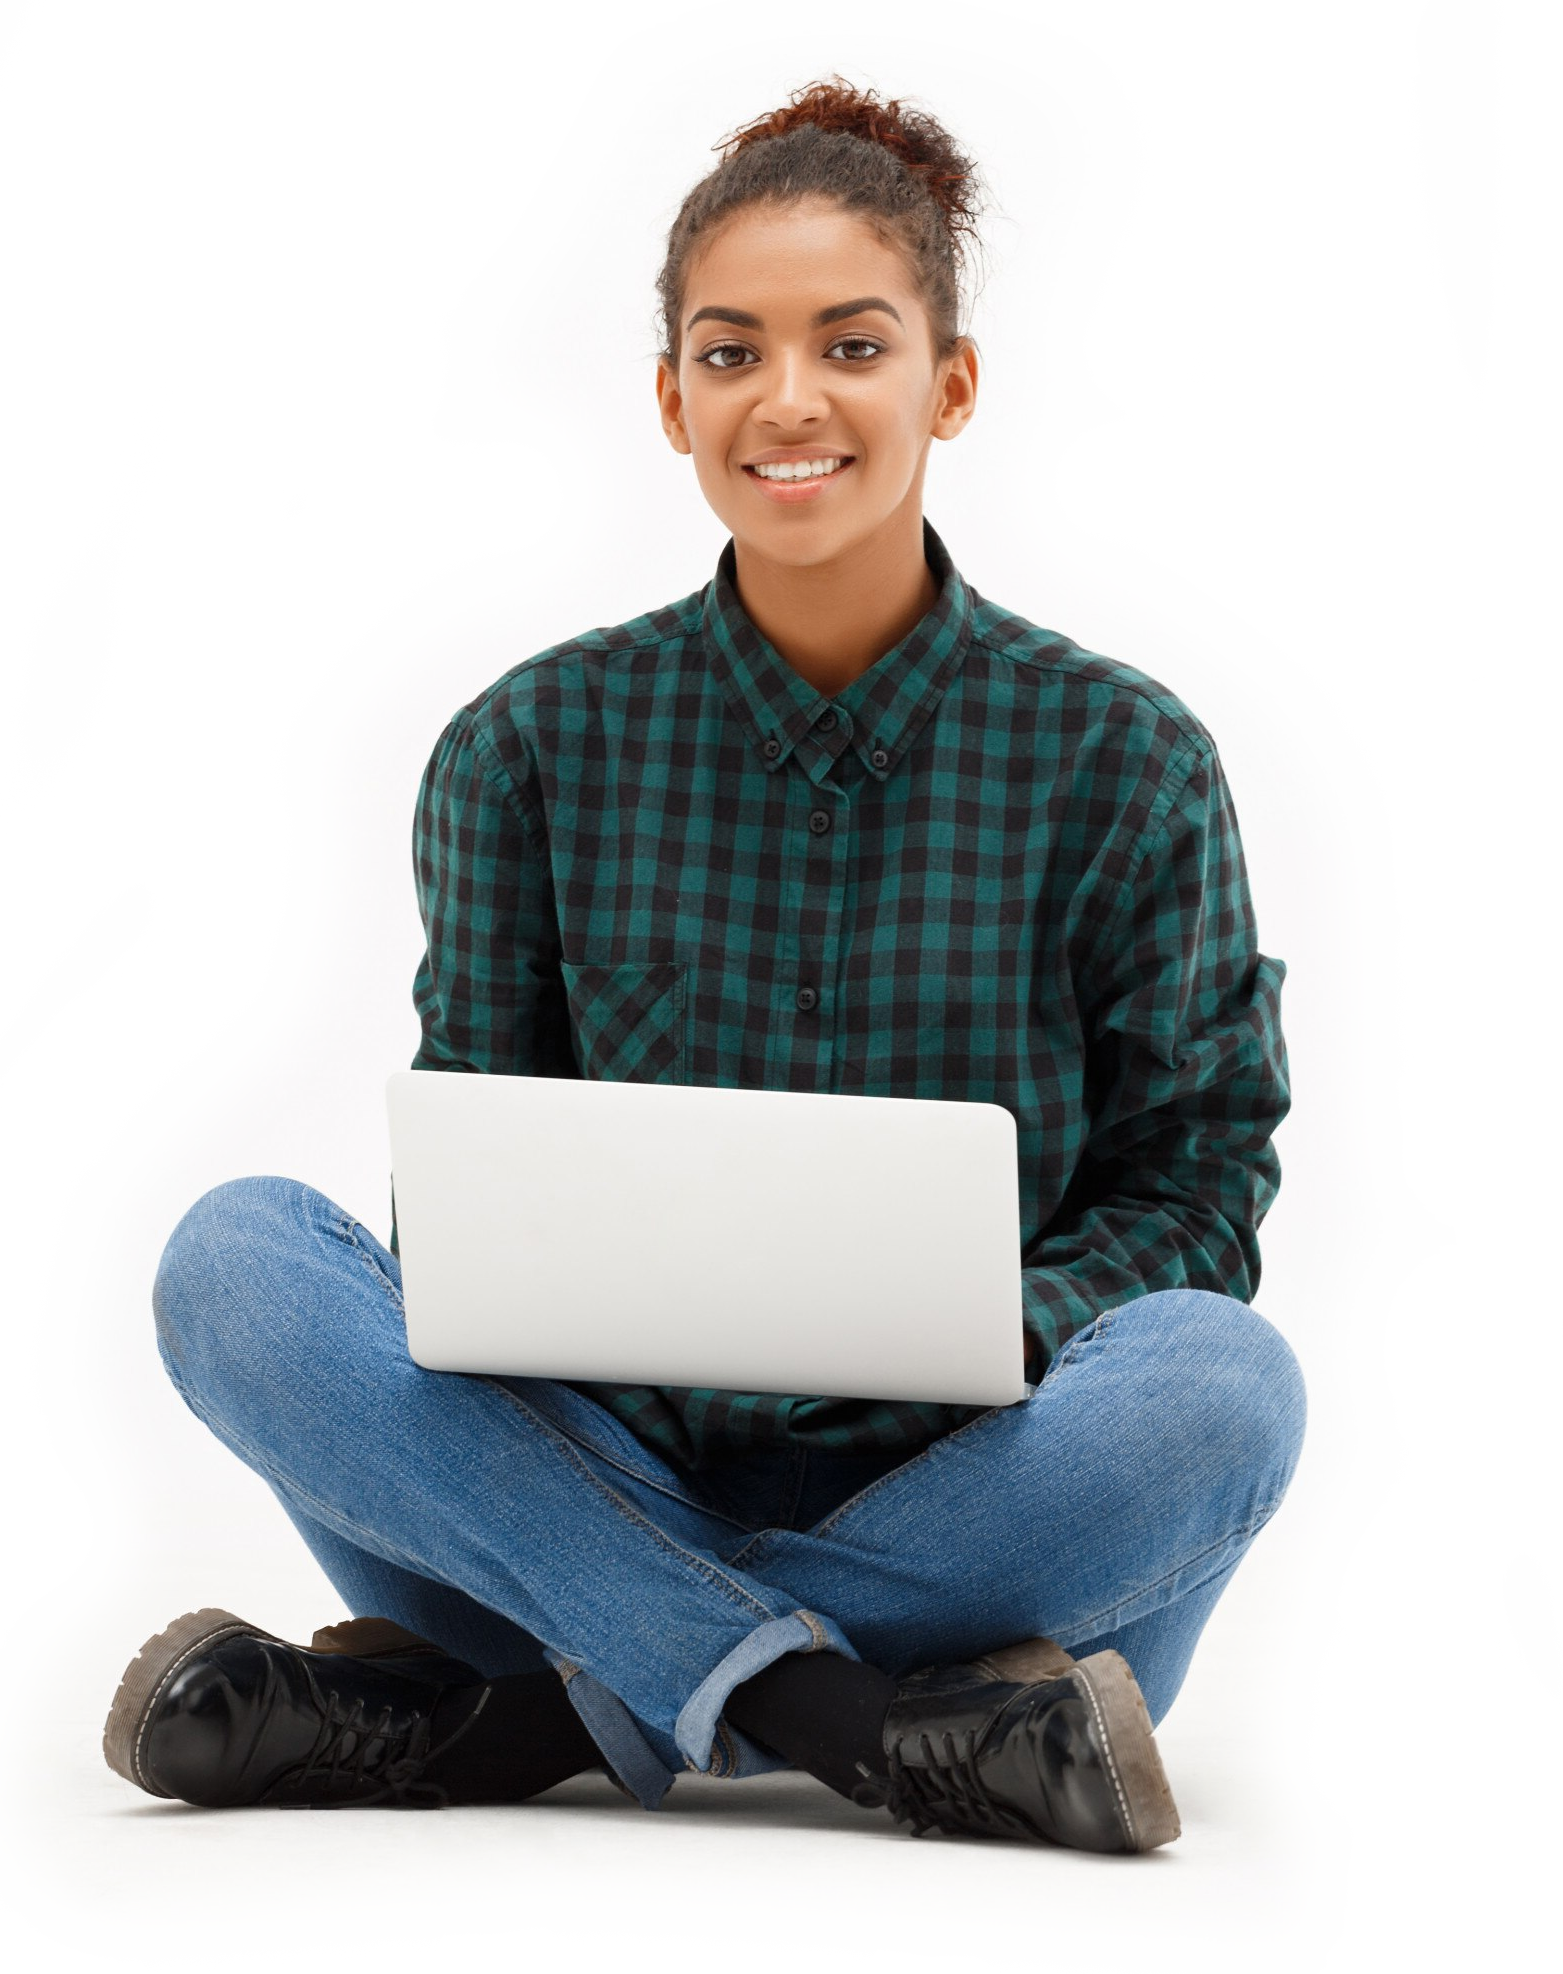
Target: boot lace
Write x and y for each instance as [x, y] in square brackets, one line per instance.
[947, 1796]
[395, 1773]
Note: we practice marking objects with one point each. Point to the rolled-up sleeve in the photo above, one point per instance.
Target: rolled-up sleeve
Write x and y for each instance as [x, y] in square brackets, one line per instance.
[1186, 1077]
[488, 990]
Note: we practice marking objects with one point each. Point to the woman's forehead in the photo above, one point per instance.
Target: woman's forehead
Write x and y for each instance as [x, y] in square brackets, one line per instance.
[799, 259]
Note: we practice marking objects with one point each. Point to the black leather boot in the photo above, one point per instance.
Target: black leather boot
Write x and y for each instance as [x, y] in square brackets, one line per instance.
[218, 1712]
[1026, 1742]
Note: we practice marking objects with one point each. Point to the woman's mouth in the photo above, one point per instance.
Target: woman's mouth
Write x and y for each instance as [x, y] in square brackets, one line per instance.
[792, 491]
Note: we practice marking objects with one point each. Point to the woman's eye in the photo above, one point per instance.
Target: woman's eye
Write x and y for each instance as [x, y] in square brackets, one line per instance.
[715, 357]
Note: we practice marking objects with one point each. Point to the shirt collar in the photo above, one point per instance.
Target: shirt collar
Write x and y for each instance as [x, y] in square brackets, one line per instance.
[887, 704]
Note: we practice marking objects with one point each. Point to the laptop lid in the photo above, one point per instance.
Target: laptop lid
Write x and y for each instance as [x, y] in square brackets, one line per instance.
[680, 1234]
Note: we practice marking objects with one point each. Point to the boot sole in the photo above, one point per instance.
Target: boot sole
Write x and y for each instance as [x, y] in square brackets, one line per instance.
[1026, 1662]
[1145, 1804]
[146, 1678]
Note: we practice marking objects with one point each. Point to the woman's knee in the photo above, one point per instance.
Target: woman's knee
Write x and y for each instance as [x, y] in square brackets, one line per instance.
[1243, 1379]
[208, 1289]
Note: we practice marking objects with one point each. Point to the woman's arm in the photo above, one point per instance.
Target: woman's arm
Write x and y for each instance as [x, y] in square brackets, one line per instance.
[488, 989]
[1186, 1082]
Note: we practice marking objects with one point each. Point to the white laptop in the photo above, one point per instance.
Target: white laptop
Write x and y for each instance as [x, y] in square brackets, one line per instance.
[679, 1234]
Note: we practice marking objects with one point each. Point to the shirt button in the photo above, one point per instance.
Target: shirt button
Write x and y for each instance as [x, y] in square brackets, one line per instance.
[806, 997]
[819, 821]
[826, 721]
[879, 757]
[772, 748]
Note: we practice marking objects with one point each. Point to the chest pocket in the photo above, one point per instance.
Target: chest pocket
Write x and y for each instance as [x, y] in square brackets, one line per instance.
[627, 1020]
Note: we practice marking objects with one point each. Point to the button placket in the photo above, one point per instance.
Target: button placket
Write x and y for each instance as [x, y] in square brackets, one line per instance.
[819, 939]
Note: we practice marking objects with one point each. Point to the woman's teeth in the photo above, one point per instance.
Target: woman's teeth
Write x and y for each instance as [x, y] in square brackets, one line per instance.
[798, 469]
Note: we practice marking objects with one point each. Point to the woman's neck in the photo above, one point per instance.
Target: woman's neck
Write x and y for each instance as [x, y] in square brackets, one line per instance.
[833, 620]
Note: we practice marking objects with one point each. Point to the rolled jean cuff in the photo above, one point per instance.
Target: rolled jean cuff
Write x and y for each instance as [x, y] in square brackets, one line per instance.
[628, 1755]
[707, 1744]
[695, 1730]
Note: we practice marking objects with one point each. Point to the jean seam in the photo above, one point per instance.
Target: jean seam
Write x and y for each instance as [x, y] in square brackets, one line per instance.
[867, 1493]
[744, 1548]
[348, 1226]
[796, 1472]
[611, 1457]
[1111, 1621]
[1098, 1326]
[734, 1592]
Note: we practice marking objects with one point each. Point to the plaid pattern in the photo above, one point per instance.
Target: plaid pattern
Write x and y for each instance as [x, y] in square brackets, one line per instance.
[997, 866]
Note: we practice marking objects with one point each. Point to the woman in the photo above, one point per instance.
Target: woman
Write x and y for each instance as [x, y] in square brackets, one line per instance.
[833, 822]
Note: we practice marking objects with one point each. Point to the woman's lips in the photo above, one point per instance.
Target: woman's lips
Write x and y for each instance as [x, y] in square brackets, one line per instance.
[791, 492]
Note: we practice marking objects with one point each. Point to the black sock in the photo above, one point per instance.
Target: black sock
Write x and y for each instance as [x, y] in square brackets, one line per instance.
[821, 1710]
[526, 1738]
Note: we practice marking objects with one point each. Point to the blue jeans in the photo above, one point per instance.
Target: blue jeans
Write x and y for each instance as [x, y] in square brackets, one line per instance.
[521, 1525]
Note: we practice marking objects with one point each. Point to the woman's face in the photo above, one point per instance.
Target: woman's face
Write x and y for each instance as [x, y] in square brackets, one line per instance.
[862, 387]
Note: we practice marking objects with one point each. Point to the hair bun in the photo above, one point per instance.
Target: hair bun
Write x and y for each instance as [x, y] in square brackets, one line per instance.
[896, 168]
[916, 138]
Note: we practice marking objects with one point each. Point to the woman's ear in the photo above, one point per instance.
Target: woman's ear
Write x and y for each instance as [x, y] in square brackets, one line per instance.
[671, 402]
[958, 393]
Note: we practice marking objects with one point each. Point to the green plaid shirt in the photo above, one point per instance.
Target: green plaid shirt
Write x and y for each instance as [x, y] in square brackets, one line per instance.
[997, 867]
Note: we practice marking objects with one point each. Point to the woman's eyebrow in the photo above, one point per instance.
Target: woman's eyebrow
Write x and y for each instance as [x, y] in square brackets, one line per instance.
[838, 313]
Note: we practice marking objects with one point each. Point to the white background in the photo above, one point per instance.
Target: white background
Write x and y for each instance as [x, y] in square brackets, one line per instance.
[327, 358]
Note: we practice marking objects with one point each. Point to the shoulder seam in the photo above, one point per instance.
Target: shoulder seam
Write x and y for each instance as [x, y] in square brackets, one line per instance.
[1196, 736]
[510, 790]
[579, 646]
[1172, 791]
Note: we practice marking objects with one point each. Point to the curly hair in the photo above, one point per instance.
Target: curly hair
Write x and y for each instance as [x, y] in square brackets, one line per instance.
[898, 169]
